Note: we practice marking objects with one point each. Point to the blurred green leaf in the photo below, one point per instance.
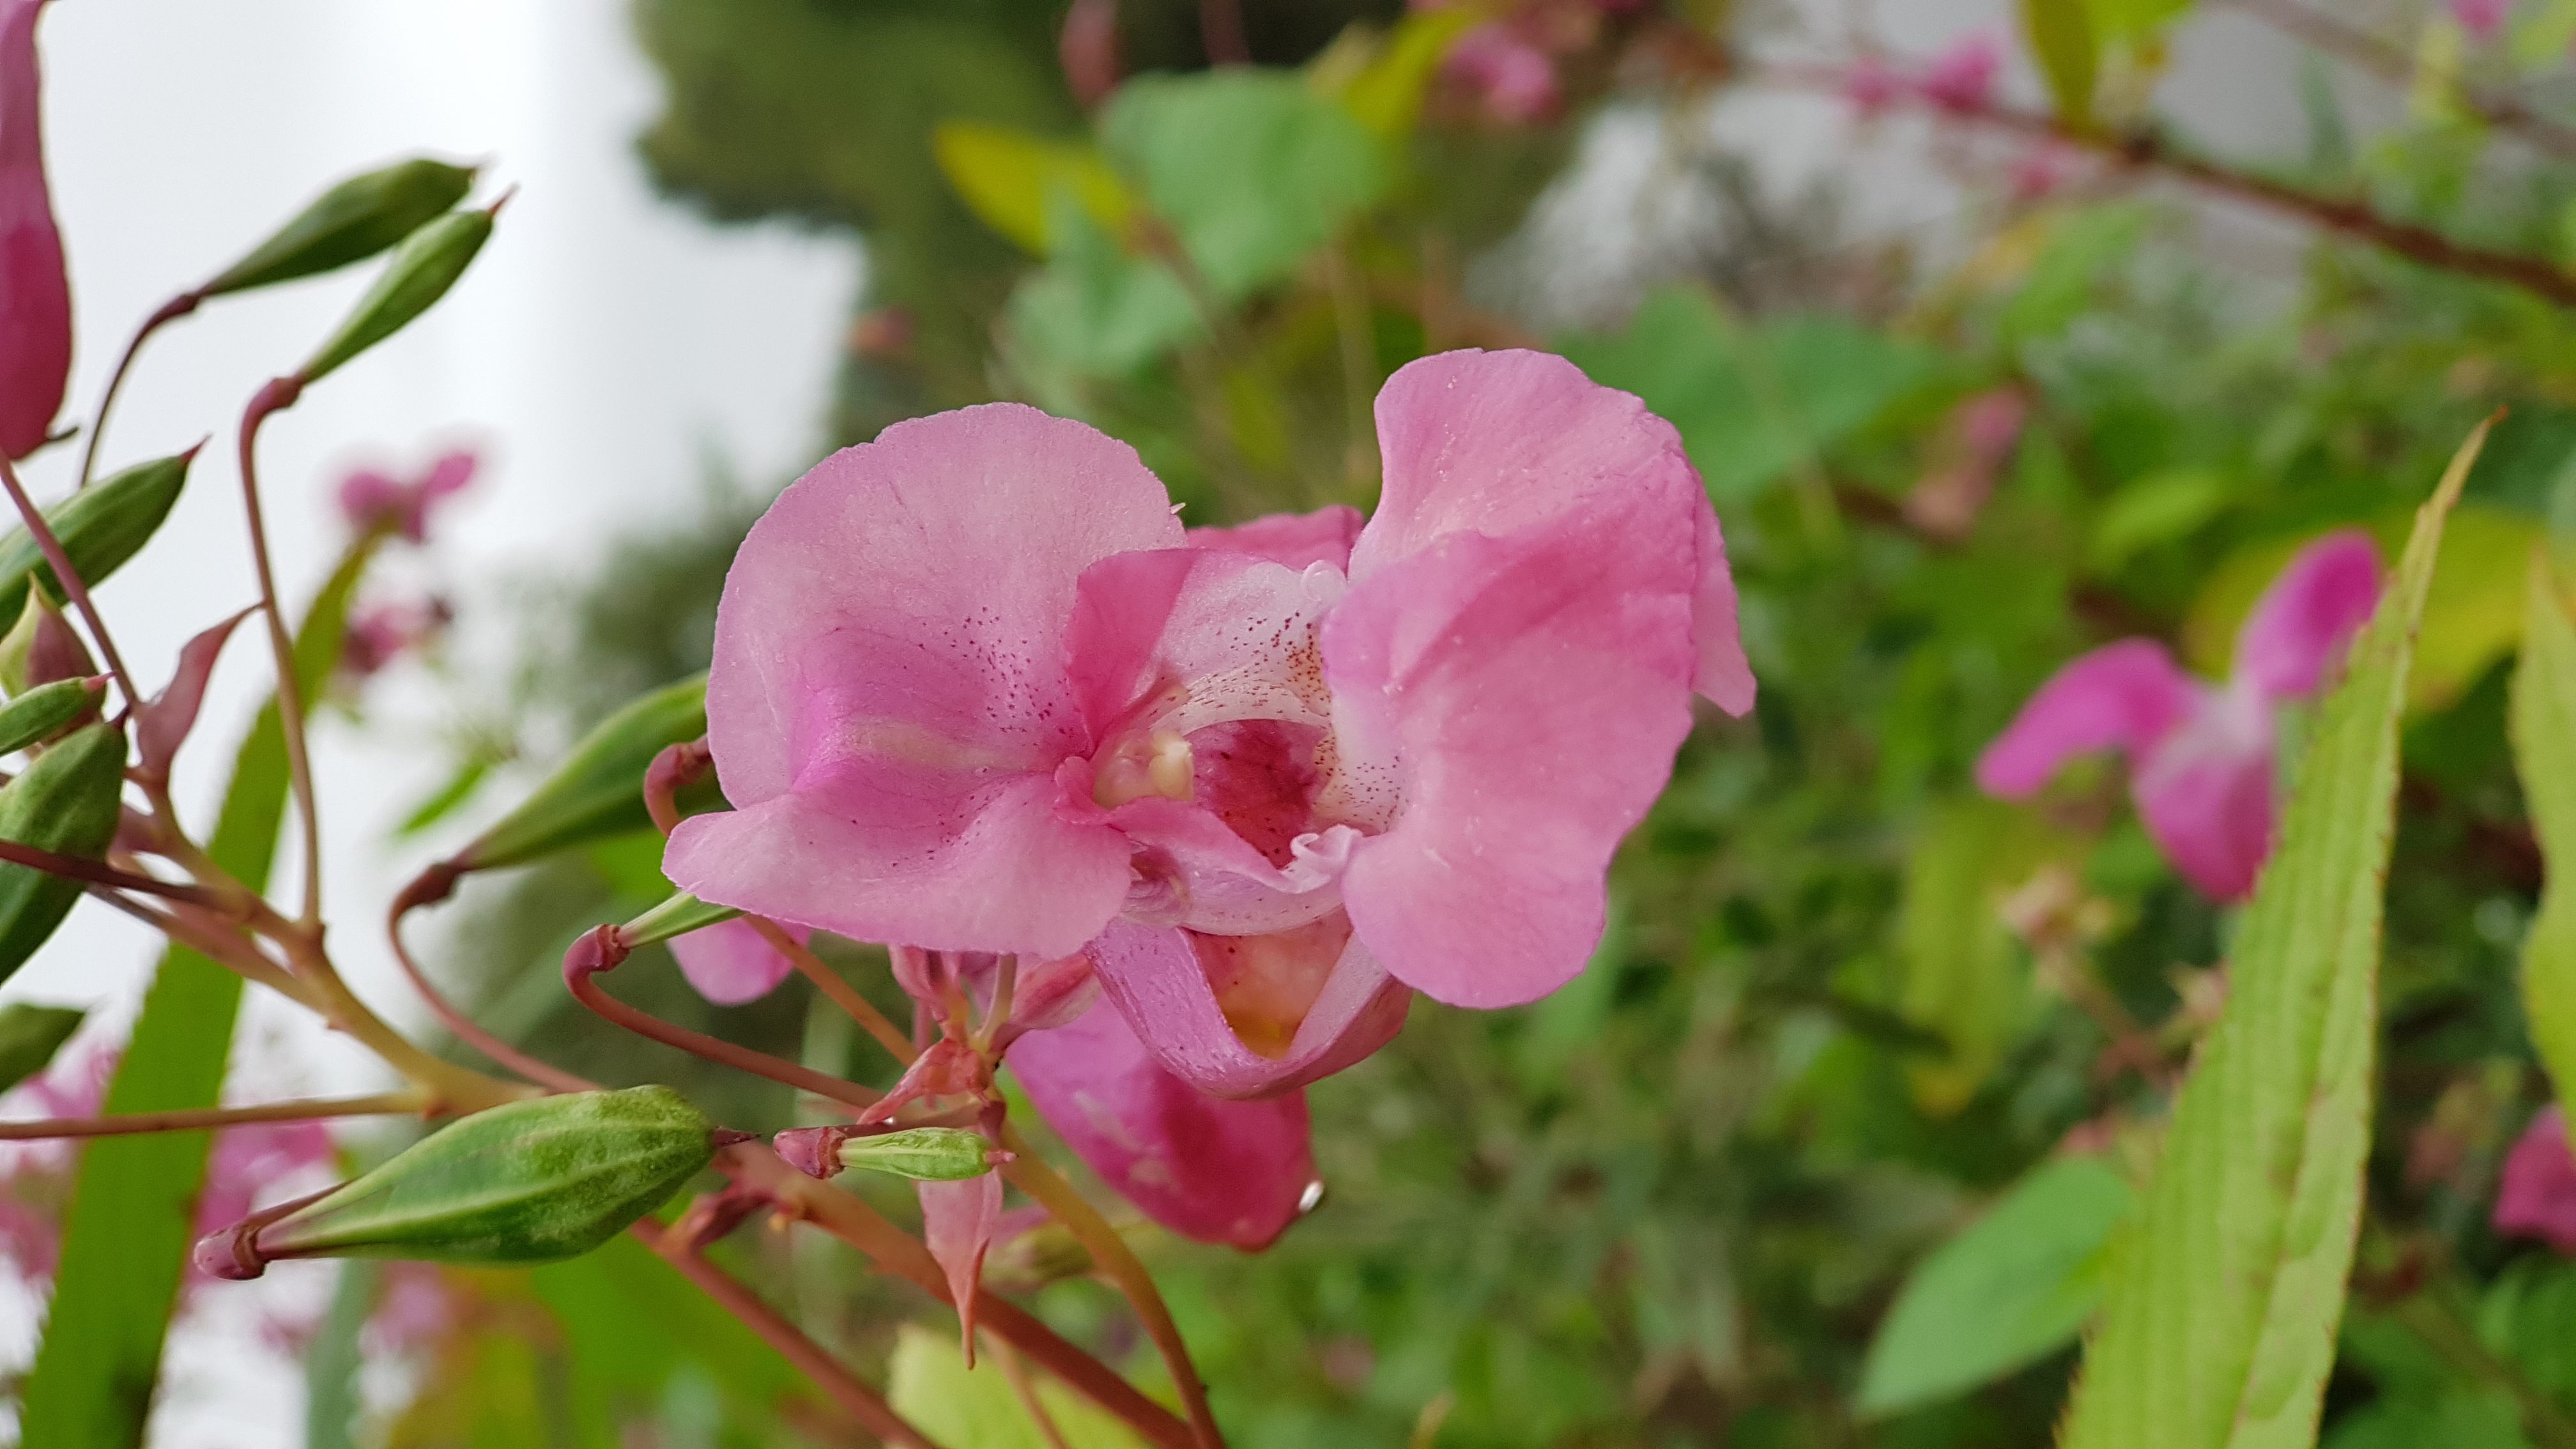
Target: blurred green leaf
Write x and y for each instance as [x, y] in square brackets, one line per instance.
[2464, 1418]
[450, 796]
[2061, 38]
[1094, 310]
[1385, 92]
[929, 1384]
[2218, 1325]
[2131, 20]
[2162, 507]
[1251, 168]
[1008, 177]
[2014, 1286]
[1964, 975]
[99, 527]
[597, 790]
[127, 1232]
[30, 1034]
[333, 1358]
[1751, 403]
[2544, 745]
[630, 1322]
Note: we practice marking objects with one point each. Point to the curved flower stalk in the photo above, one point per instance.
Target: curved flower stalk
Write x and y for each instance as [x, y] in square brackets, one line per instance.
[2202, 757]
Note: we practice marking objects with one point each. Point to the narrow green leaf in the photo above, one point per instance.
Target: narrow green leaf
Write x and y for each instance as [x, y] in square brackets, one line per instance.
[598, 789]
[30, 1035]
[127, 1233]
[448, 798]
[2544, 745]
[350, 222]
[2219, 1320]
[419, 273]
[1006, 175]
[2061, 37]
[100, 527]
[2013, 1287]
[332, 1360]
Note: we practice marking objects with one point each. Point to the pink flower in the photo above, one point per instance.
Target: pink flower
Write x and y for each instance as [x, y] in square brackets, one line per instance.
[1962, 77]
[1511, 80]
[2537, 1198]
[1087, 47]
[369, 499]
[2201, 757]
[35, 295]
[1977, 439]
[2481, 18]
[1873, 86]
[731, 962]
[380, 633]
[976, 690]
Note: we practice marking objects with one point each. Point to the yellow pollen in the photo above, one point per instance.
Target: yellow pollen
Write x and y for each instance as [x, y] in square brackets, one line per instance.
[1155, 764]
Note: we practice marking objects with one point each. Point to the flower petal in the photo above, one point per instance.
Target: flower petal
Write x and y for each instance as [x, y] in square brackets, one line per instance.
[1294, 539]
[730, 962]
[2304, 622]
[1193, 871]
[35, 295]
[1159, 980]
[889, 700]
[1532, 693]
[2205, 794]
[957, 1221]
[1217, 1171]
[2122, 696]
[2537, 1198]
[1501, 442]
[1186, 638]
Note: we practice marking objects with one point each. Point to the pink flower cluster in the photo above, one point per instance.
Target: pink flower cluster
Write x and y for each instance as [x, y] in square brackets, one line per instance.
[1960, 77]
[372, 499]
[978, 694]
[2201, 757]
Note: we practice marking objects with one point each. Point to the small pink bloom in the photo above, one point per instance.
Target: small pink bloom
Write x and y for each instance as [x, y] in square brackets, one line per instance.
[35, 296]
[1962, 77]
[380, 633]
[1873, 86]
[731, 962]
[2201, 757]
[2537, 1198]
[2481, 18]
[1087, 47]
[1511, 80]
[370, 499]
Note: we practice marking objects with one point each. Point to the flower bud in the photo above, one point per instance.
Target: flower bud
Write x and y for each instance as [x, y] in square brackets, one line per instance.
[42, 648]
[44, 711]
[596, 791]
[67, 802]
[100, 527]
[35, 295]
[419, 273]
[350, 222]
[924, 1154]
[534, 1181]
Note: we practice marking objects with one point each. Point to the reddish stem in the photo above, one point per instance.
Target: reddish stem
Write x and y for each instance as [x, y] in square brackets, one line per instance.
[277, 395]
[464, 1028]
[381, 1104]
[601, 950]
[171, 311]
[73, 588]
[100, 873]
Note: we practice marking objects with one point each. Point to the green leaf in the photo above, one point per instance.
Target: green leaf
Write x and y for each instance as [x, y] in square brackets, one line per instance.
[100, 527]
[2133, 20]
[418, 273]
[597, 791]
[2159, 508]
[962, 1408]
[332, 1360]
[127, 1233]
[2015, 1286]
[2218, 1324]
[1251, 168]
[1964, 974]
[2465, 1418]
[66, 802]
[30, 1035]
[1094, 310]
[631, 1322]
[1007, 177]
[1751, 403]
[448, 798]
[2061, 37]
[2544, 746]
[350, 222]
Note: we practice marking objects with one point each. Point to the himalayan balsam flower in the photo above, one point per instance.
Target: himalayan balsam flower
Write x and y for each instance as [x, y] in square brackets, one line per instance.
[369, 499]
[35, 295]
[976, 690]
[2201, 757]
[2538, 1196]
[731, 962]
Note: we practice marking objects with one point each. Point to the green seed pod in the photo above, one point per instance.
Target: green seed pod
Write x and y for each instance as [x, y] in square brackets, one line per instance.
[42, 647]
[66, 802]
[535, 1181]
[350, 222]
[597, 791]
[100, 527]
[30, 1035]
[926, 1154]
[677, 916]
[419, 273]
[43, 711]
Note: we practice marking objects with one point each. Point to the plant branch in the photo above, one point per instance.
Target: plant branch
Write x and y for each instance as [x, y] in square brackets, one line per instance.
[841, 993]
[856, 1399]
[464, 1028]
[70, 579]
[381, 1104]
[586, 990]
[2369, 51]
[276, 396]
[171, 311]
[99, 873]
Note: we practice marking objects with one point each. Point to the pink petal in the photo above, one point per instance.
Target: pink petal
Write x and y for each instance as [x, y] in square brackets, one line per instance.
[1502, 442]
[889, 703]
[1293, 539]
[1180, 639]
[1512, 80]
[1962, 77]
[1160, 981]
[2300, 629]
[1217, 1171]
[2123, 696]
[957, 1221]
[1193, 871]
[1532, 692]
[2205, 794]
[162, 725]
[2537, 1198]
[35, 295]
[731, 962]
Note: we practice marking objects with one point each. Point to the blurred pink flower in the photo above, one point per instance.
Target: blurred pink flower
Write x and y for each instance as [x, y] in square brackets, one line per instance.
[1873, 86]
[731, 962]
[379, 633]
[1511, 79]
[370, 499]
[35, 295]
[1962, 76]
[2481, 18]
[2537, 1198]
[414, 1307]
[1087, 47]
[2202, 758]
[2044, 170]
[1976, 440]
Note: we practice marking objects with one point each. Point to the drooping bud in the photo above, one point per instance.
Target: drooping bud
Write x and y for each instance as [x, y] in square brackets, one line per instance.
[42, 648]
[528, 1182]
[35, 294]
[419, 273]
[30, 1034]
[352, 221]
[100, 527]
[47, 710]
[66, 802]
[924, 1154]
[594, 793]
